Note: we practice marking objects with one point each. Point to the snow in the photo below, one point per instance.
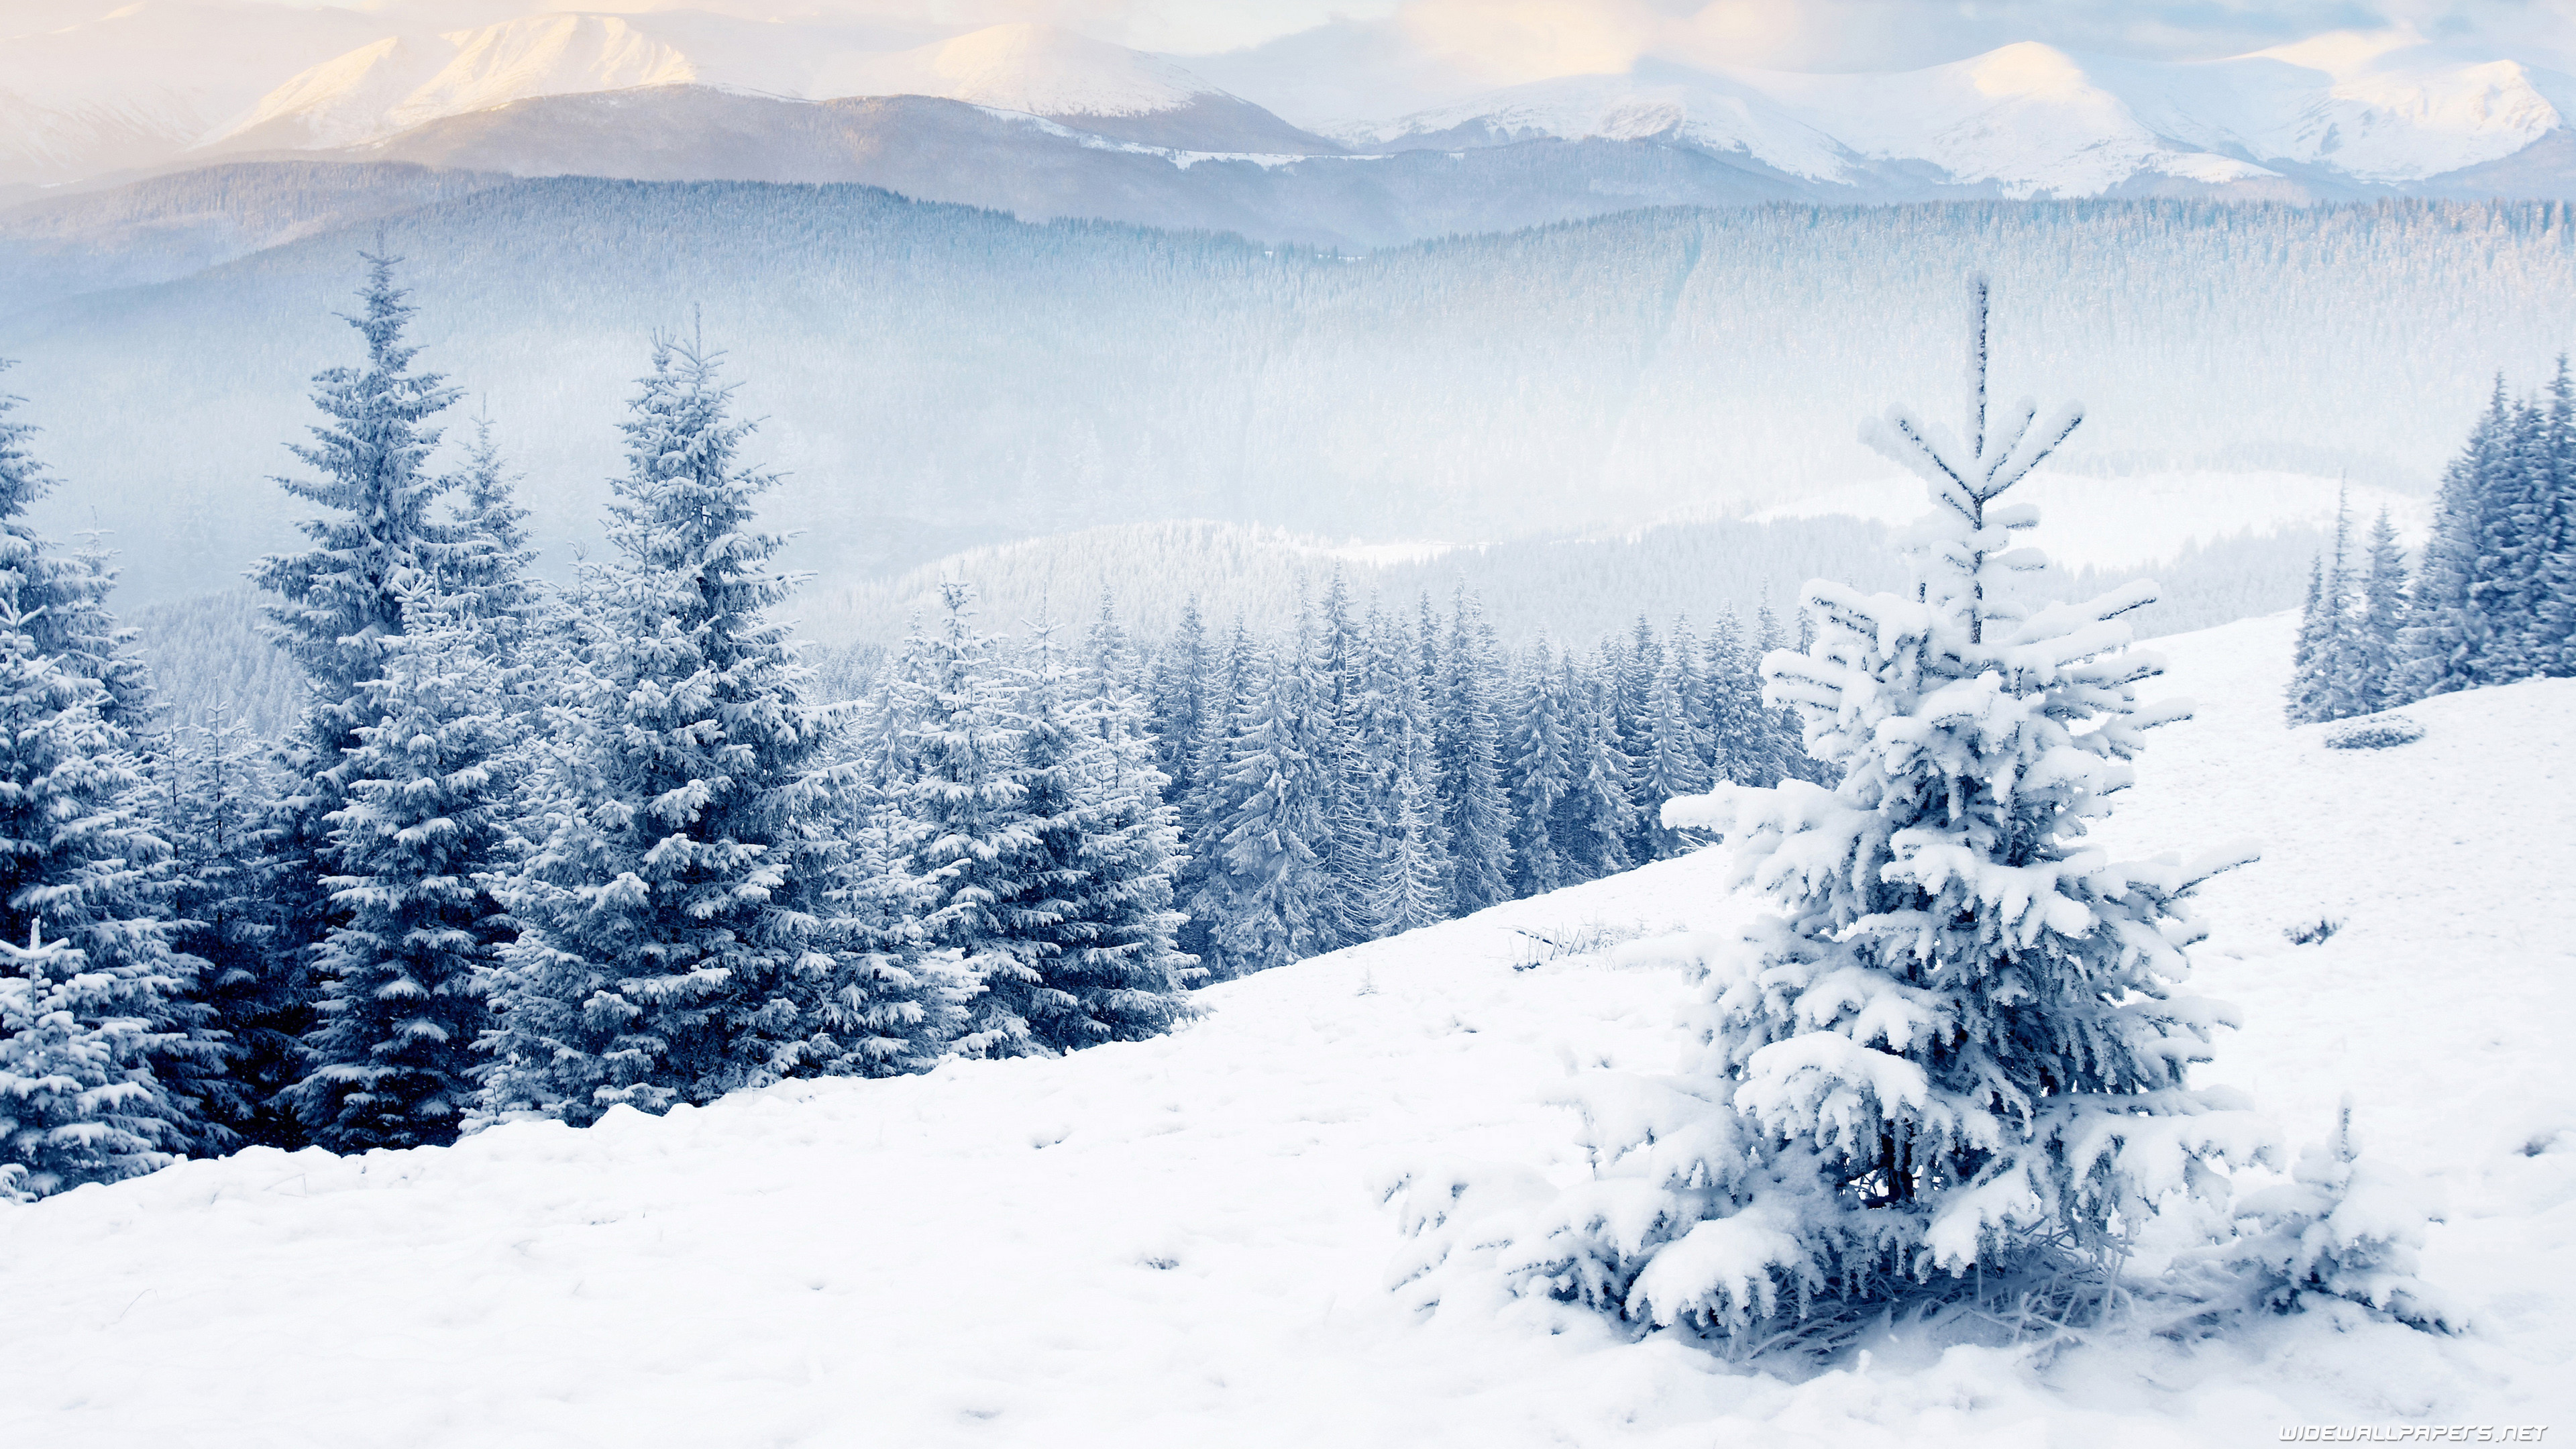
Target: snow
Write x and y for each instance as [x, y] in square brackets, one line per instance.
[1038, 69]
[2030, 119]
[401, 82]
[2140, 519]
[1186, 1241]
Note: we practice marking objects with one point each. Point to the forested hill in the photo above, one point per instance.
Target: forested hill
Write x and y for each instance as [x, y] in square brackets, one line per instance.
[936, 375]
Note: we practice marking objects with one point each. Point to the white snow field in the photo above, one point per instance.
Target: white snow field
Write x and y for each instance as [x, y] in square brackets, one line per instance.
[1187, 1241]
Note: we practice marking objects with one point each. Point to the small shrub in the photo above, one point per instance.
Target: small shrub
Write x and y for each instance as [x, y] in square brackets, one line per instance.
[2314, 934]
[2375, 732]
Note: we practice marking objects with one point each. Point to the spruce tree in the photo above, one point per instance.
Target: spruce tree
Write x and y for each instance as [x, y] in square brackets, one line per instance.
[2448, 634]
[213, 795]
[2374, 654]
[85, 1010]
[1672, 765]
[681, 927]
[1542, 776]
[1956, 1055]
[1204, 886]
[2310, 651]
[1736, 716]
[336, 600]
[1275, 903]
[1118, 969]
[1364, 824]
[1475, 809]
[1180, 696]
[972, 838]
[418, 850]
[1594, 821]
[1412, 887]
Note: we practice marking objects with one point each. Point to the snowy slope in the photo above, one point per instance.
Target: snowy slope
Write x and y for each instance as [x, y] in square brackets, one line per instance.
[403, 81]
[1183, 1241]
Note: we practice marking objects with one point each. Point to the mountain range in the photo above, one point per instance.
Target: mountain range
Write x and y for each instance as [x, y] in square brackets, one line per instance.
[1044, 123]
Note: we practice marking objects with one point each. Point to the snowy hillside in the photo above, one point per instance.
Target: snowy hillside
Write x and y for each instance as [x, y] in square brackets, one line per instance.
[1184, 1241]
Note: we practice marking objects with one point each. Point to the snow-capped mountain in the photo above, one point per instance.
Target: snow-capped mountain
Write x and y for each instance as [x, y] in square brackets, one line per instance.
[398, 82]
[401, 81]
[161, 85]
[2029, 119]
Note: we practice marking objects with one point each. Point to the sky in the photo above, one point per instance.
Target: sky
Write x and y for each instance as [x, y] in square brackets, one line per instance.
[1532, 37]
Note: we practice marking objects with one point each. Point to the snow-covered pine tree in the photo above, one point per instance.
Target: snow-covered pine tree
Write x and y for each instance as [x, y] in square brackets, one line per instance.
[336, 599]
[491, 579]
[1475, 809]
[2308, 659]
[1274, 907]
[1688, 662]
[1204, 886]
[1118, 963]
[1180, 695]
[1594, 820]
[2373, 657]
[83, 1013]
[2343, 648]
[679, 927]
[2543, 516]
[1412, 888]
[1960, 1044]
[1672, 766]
[2448, 633]
[1736, 716]
[418, 850]
[212, 797]
[1542, 775]
[973, 840]
[1364, 826]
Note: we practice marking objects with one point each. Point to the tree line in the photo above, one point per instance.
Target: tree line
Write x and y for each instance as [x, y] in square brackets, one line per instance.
[2493, 599]
[532, 852]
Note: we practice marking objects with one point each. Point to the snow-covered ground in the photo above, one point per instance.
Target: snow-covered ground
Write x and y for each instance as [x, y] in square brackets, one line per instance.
[1186, 1241]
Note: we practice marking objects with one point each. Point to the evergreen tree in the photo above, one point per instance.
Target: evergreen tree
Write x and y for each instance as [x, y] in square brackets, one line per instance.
[1274, 905]
[84, 1013]
[337, 599]
[2544, 553]
[419, 847]
[1475, 810]
[1117, 967]
[1672, 767]
[1542, 775]
[212, 796]
[682, 928]
[1205, 886]
[2322, 680]
[1412, 887]
[1959, 1045]
[1181, 701]
[973, 840]
[1594, 820]
[2448, 635]
[2374, 653]
[1364, 825]
[1736, 717]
